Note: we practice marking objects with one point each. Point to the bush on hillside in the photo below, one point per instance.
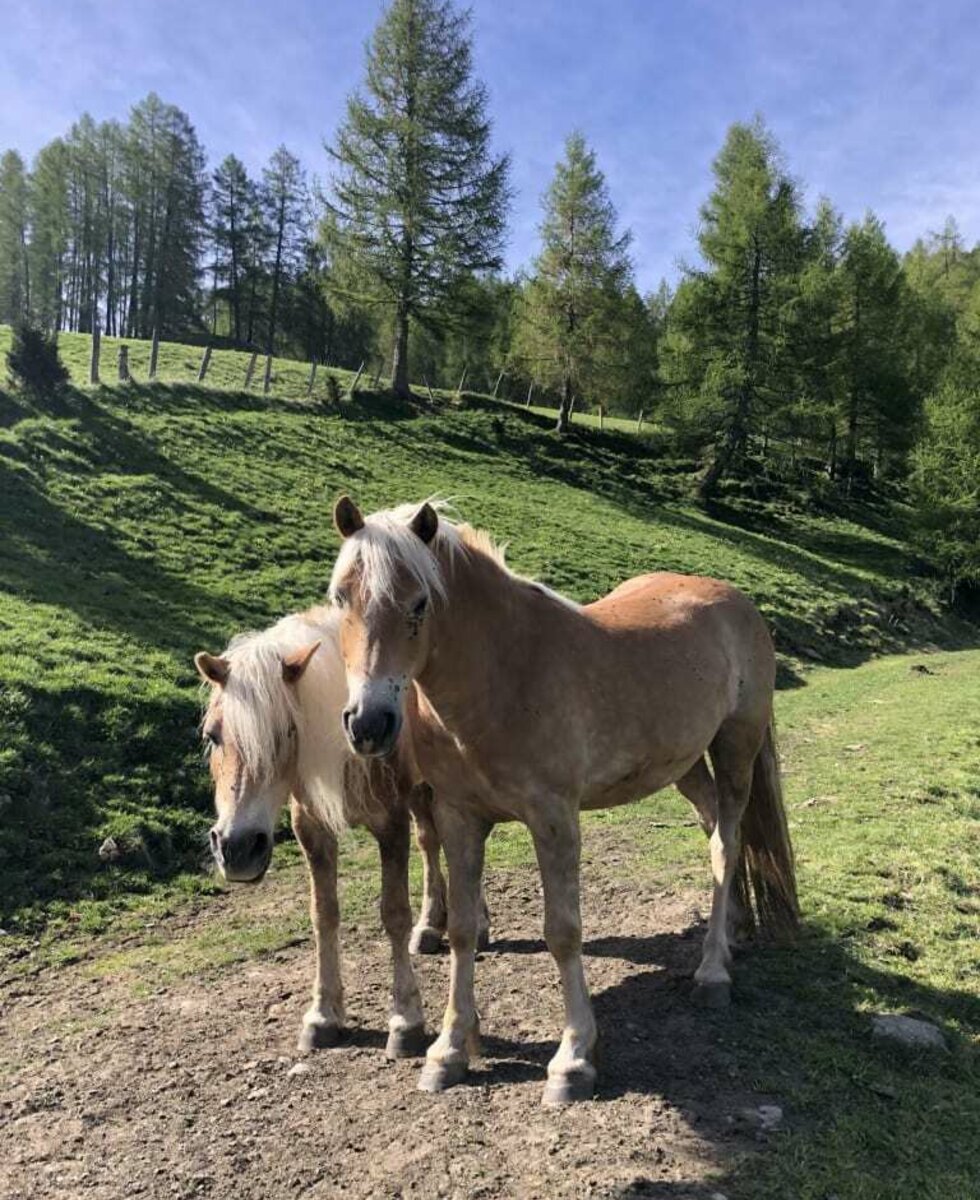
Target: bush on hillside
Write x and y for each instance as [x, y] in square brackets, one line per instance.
[33, 362]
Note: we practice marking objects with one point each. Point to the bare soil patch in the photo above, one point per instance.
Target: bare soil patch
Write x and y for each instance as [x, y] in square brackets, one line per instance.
[106, 1092]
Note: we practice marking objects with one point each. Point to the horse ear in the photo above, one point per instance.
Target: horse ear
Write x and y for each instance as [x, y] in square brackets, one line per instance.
[347, 517]
[212, 668]
[296, 662]
[425, 523]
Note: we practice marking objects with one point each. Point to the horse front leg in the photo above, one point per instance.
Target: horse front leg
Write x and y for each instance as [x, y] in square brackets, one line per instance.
[323, 1022]
[463, 837]
[428, 932]
[557, 844]
[406, 1025]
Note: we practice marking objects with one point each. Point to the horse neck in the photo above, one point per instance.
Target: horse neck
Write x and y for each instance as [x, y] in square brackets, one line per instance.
[482, 611]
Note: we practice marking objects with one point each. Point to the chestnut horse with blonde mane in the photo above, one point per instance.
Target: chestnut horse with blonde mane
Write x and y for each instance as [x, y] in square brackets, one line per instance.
[531, 707]
[273, 732]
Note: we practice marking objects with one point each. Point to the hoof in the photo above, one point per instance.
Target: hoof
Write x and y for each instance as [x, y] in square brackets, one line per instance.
[319, 1037]
[569, 1089]
[483, 940]
[713, 995]
[425, 940]
[407, 1043]
[437, 1076]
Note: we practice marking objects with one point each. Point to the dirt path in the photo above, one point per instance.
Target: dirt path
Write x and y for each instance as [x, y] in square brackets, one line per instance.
[188, 1092]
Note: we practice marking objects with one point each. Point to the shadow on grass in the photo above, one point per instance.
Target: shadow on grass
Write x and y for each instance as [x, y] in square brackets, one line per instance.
[81, 763]
[797, 1036]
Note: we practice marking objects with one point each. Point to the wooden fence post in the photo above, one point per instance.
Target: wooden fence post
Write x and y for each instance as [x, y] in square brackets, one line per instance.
[462, 380]
[639, 421]
[357, 380]
[602, 413]
[154, 352]
[425, 380]
[312, 379]
[124, 364]
[530, 393]
[267, 379]
[496, 386]
[250, 369]
[205, 363]
[93, 368]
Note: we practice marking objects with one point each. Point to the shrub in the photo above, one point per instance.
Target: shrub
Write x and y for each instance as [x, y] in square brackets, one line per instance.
[33, 362]
[333, 390]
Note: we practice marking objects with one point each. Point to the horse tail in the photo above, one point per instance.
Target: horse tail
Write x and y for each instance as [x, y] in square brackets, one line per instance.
[766, 854]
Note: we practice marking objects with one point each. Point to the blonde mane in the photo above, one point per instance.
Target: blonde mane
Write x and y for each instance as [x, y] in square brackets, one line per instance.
[260, 711]
[387, 546]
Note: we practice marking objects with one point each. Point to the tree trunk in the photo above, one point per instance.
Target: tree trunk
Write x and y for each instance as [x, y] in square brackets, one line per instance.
[399, 363]
[565, 408]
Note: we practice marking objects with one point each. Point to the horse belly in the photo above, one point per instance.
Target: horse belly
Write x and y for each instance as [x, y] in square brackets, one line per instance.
[636, 782]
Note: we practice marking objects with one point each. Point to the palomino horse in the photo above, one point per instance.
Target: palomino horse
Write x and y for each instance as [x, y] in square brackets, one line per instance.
[273, 731]
[532, 708]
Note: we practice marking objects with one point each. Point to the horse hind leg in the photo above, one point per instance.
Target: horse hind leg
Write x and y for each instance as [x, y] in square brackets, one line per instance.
[428, 932]
[698, 786]
[427, 935]
[732, 755]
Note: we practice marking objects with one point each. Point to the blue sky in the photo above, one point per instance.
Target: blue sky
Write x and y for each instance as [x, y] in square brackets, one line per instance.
[876, 104]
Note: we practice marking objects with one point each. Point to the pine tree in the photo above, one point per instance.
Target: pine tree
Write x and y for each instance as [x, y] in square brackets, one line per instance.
[568, 325]
[418, 197]
[14, 276]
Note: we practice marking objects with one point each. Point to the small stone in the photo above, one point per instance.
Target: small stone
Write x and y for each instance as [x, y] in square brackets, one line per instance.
[250, 1066]
[770, 1116]
[109, 850]
[908, 1030]
[300, 1068]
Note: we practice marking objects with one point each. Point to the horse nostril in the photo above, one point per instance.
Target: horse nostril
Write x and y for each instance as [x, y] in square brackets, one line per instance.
[215, 839]
[260, 844]
[389, 727]
[346, 716]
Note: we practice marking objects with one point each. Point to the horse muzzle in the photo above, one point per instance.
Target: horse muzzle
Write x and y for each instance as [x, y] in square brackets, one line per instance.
[242, 857]
[371, 732]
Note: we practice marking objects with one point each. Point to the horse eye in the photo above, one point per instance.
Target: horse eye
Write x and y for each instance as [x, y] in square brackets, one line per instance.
[212, 737]
[418, 609]
[340, 599]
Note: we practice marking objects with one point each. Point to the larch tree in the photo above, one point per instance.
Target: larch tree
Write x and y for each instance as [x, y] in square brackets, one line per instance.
[569, 324]
[14, 275]
[418, 196]
[285, 196]
[732, 362]
[232, 206]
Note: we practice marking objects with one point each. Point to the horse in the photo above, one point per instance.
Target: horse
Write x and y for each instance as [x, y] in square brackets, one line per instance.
[530, 707]
[272, 732]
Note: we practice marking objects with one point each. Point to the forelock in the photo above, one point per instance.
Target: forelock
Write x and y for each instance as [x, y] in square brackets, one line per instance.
[387, 549]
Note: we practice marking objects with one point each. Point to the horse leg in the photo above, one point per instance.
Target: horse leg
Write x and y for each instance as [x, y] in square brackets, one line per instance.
[406, 1026]
[463, 838]
[732, 762]
[698, 787]
[323, 1021]
[431, 925]
[557, 844]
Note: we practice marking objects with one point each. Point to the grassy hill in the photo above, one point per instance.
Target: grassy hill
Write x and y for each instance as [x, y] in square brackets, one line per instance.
[140, 523]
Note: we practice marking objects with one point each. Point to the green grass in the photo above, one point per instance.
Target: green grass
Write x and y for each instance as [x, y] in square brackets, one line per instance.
[139, 523]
